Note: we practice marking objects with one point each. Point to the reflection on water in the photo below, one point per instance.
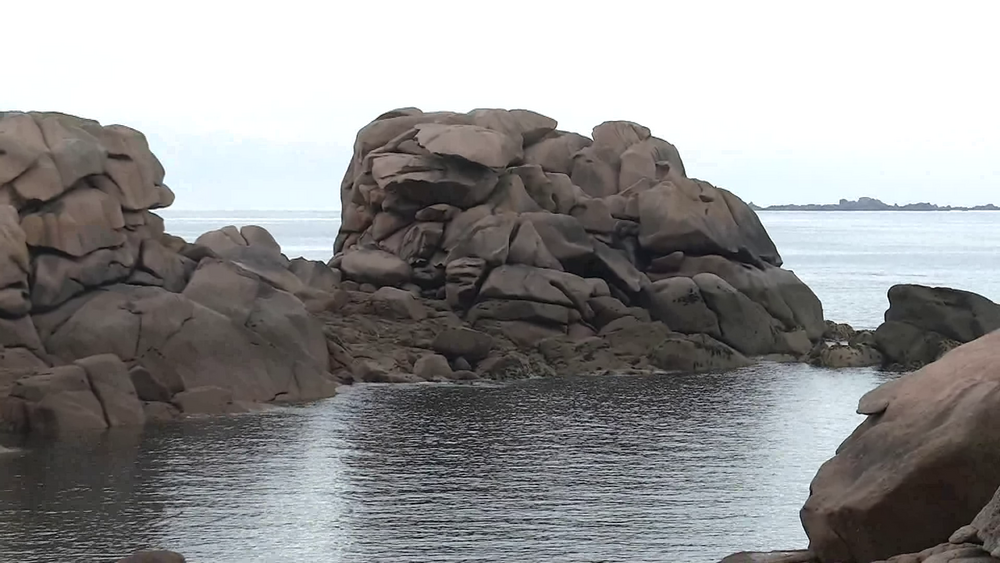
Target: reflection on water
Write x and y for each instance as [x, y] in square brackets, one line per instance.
[664, 468]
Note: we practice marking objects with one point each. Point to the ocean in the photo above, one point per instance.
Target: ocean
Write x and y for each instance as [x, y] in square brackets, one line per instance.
[664, 468]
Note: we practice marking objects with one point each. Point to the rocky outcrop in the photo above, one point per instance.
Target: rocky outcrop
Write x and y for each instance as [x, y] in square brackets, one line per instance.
[923, 323]
[488, 244]
[921, 465]
[507, 218]
[106, 321]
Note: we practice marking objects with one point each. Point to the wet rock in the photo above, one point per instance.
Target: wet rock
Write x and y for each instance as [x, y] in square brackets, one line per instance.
[157, 412]
[840, 356]
[772, 557]
[204, 400]
[696, 353]
[57, 402]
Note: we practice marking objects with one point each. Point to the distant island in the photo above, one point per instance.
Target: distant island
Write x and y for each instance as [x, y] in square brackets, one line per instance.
[871, 204]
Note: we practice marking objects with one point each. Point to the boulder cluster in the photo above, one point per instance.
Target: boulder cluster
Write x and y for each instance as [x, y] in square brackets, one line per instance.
[921, 325]
[105, 320]
[509, 220]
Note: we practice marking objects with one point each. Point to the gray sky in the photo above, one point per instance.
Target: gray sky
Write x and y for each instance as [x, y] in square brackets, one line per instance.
[780, 102]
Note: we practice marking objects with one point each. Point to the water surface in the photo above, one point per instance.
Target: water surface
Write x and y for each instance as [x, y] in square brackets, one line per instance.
[662, 468]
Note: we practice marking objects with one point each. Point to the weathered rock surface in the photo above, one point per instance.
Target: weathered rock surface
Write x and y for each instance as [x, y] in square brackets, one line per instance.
[498, 205]
[105, 320]
[920, 467]
[487, 244]
[923, 323]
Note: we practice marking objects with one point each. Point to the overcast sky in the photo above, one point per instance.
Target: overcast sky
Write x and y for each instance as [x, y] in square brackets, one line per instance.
[780, 102]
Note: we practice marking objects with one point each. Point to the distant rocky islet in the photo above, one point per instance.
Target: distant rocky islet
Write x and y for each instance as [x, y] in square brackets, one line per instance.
[480, 245]
[871, 204]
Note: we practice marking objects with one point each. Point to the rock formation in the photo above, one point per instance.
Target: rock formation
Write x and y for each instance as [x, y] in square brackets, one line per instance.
[921, 325]
[510, 220]
[479, 245]
[106, 321]
[922, 464]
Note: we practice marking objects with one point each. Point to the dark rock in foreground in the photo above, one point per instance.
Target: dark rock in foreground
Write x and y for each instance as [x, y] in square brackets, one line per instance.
[923, 323]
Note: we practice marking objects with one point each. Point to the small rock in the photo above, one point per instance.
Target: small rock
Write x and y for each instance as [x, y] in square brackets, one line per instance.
[465, 342]
[395, 303]
[965, 534]
[863, 338]
[461, 364]
[432, 366]
[839, 356]
[838, 332]
[154, 556]
[367, 288]
[508, 366]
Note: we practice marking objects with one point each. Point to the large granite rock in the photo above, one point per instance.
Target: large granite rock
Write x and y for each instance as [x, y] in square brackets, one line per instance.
[921, 465]
[105, 318]
[498, 205]
[923, 323]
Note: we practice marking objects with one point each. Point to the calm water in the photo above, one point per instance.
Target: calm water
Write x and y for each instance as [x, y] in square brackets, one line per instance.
[665, 469]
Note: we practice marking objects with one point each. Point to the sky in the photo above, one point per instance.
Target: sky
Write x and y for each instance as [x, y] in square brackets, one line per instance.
[257, 107]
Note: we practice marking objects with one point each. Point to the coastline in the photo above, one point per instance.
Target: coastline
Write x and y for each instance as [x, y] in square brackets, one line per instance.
[871, 204]
[481, 246]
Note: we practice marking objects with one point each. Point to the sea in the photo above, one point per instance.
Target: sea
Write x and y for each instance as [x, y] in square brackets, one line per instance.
[667, 468]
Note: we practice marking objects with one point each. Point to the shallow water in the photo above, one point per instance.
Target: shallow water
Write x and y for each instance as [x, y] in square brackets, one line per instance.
[658, 468]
